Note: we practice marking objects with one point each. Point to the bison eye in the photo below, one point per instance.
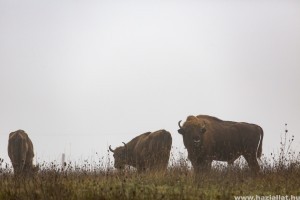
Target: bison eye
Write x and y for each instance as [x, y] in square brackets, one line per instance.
[202, 130]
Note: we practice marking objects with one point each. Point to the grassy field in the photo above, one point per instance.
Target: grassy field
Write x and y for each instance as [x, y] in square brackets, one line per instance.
[178, 182]
[280, 175]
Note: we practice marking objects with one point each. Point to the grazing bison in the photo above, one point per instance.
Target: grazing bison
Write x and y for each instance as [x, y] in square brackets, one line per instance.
[209, 138]
[148, 151]
[20, 152]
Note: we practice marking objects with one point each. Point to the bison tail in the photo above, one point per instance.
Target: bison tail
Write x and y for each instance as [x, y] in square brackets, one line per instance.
[259, 150]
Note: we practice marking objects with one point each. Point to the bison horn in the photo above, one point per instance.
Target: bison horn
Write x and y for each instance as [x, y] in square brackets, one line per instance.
[179, 124]
[124, 144]
[204, 124]
[197, 141]
[111, 149]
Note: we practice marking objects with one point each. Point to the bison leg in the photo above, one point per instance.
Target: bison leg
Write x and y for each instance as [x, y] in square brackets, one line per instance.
[204, 166]
[252, 162]
[230, 165]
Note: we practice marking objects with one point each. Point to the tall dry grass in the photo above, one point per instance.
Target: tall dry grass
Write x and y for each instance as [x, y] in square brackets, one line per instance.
[98, 180]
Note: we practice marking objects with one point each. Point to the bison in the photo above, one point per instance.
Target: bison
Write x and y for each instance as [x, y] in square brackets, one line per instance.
[148, 151]
[20, 152]
[208, 138]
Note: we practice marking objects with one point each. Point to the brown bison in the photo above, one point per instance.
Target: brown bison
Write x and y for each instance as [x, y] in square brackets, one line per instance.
[20, 152]
[208, 138]
[148, 151]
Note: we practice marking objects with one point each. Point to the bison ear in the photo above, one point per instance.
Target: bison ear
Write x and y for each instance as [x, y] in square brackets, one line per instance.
[180, 131]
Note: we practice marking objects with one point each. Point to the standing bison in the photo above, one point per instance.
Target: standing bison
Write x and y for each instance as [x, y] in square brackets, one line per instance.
[209, 138]
[148, 151]
[20, 152]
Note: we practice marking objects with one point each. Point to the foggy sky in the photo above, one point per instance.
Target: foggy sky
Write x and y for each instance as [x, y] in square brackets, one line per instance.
[78, 76]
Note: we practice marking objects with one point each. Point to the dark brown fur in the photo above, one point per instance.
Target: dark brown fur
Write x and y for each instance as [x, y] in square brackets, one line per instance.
[20, 152]
[221, 140]
[148, 151]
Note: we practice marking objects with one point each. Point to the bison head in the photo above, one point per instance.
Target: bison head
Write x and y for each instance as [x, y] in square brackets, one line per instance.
[192, 132]
[120, 156]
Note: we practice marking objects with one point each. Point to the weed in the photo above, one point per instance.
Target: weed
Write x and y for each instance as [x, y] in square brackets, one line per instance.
[98, 180]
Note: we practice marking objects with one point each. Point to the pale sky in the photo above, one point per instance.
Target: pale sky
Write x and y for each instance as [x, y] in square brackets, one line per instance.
[80, 75]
